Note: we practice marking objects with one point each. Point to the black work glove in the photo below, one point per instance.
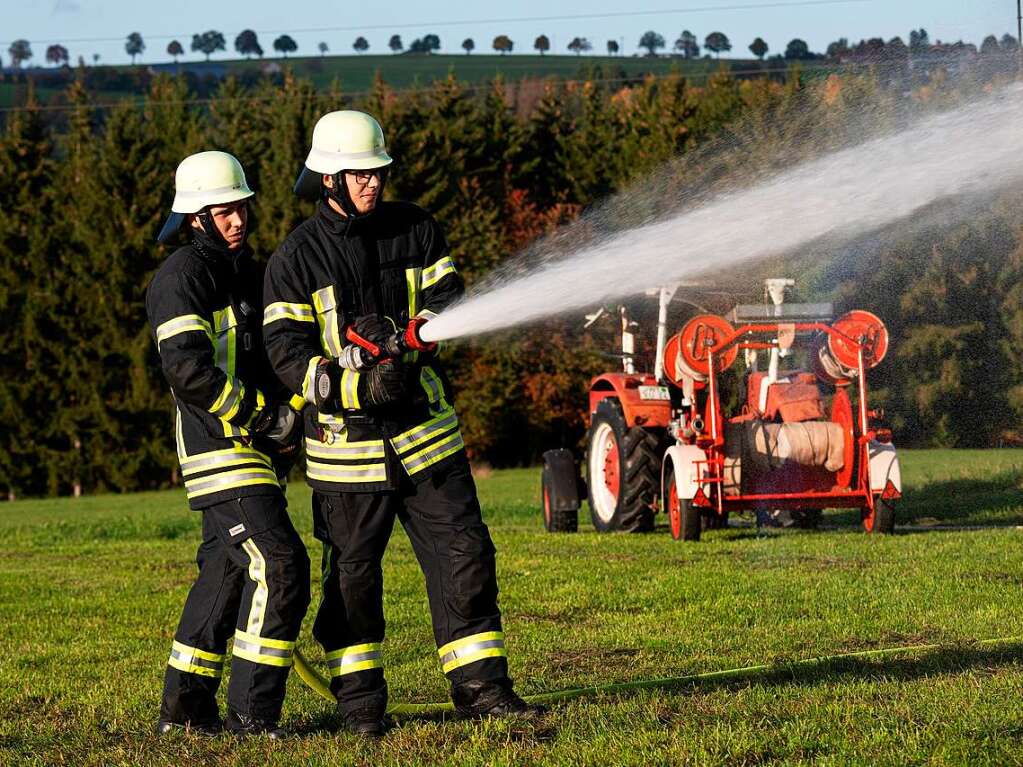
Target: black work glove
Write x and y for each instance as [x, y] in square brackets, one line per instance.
[375, 329]
[279, 424]
[383, 384]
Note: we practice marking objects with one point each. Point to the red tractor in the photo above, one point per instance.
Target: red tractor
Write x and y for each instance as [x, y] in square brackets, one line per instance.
[799, 440]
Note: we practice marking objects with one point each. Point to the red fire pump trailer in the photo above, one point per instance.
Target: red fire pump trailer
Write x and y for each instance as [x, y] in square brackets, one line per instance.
[801, 440]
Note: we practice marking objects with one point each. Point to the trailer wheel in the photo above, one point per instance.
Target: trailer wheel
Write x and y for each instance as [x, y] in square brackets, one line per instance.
[622, 467]
[559, 486]
[882, 520]
[684, 518]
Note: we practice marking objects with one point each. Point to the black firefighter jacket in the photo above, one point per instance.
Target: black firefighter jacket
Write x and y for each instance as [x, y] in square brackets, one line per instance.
[205, 311]
[329, 271]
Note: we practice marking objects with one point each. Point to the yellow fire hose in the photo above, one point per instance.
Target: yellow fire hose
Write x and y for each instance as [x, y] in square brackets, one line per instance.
[318, 683]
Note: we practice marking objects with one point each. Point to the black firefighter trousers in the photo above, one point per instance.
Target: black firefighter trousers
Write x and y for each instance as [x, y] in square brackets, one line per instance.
[253, 584]
[441, 516]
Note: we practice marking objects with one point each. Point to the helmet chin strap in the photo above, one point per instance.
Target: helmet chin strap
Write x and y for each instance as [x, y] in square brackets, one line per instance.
[205, 219]
[339, 192]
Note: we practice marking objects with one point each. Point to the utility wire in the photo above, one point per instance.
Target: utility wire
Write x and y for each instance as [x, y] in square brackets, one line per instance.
[510, 20]
[469, 87]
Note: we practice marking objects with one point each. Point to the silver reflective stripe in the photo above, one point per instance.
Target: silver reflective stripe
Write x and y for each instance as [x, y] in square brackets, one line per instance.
[470, 649]
[325, 156]
[431, 383]
[229, 479]
[182, 324]
[374, 450]
[349, 472]
[258, 649]
[203, 194]
[352, 658]
[195, 660]
[309, 385]
[199, 463]
[445, 445]
[282, 310]
[231, 401]
[421, 434]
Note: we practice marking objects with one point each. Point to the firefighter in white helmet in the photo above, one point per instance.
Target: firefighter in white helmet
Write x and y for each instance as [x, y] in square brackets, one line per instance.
[236, 437]
[346, 295]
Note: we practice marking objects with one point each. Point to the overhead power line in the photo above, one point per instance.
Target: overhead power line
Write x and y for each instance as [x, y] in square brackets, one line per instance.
[774, 4]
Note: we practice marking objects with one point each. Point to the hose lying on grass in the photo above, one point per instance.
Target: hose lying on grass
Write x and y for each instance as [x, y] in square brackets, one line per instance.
[318, 683]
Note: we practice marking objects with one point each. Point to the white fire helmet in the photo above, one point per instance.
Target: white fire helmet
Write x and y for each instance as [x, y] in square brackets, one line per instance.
[201, 180]
[342, 140]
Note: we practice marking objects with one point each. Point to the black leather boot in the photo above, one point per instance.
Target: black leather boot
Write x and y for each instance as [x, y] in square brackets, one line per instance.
[477, 698]
[243, 725]
[370, 722]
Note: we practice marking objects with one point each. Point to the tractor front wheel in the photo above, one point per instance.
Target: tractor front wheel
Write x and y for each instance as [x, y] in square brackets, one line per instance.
[622, 465]
[882, 520]
[684, 518]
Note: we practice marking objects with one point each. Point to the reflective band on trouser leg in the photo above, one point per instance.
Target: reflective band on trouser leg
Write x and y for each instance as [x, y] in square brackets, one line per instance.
[261, 594]
[359, 657]
[269, 652]
[461, 652]
[282, 310]
[192, 660]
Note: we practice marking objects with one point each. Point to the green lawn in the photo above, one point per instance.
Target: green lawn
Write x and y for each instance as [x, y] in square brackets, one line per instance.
[90, 591]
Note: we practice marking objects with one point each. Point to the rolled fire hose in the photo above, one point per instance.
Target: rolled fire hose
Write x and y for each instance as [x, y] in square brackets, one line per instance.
[318, 683]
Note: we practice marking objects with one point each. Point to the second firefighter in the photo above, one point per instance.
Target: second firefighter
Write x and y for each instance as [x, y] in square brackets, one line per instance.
[382, 440]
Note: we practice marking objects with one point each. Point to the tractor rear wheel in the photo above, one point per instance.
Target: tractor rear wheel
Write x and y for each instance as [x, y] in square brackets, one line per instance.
[882, 520]
[559, 488]
[684, 519]
[622, 467]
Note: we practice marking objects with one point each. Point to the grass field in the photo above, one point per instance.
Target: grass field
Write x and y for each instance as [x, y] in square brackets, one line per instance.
[90, 591]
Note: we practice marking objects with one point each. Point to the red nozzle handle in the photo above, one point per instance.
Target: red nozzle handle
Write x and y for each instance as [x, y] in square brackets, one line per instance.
[412, 339]
[375, 351]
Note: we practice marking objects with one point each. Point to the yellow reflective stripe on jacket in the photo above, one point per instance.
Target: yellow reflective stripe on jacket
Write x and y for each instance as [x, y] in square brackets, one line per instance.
[269, 652]
[434, 453]
[461, 652]
[360, 657]
[230, 480]
[429, 443]
[431, 384]
[425, 431]
[226, 405]
[309, 382]
[339, 473]
[412, 280]
[192, 660]
[436, 272]
[183, 324]
[325, 303]
[350, 451]
[282, 310]
[350, 389]
[218, 459]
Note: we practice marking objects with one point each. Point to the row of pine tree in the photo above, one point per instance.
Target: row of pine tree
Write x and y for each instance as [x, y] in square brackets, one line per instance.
[84, 408]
